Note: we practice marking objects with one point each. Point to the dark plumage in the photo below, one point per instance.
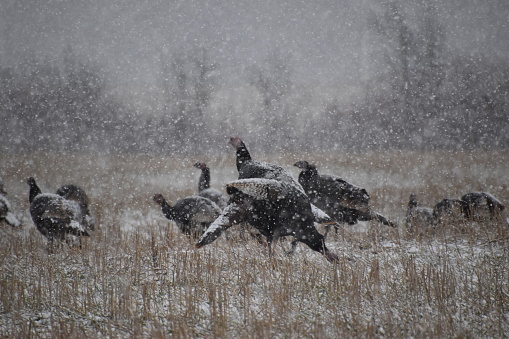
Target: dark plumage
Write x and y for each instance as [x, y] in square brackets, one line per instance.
[5, 208]
[341, 200]
[273, 207]
[204, 189]
[449, 209]
[481, 205]
[76, 193]
[417, 216]
[2, 186]
[192, 214]
[54, 216]
[249, 168]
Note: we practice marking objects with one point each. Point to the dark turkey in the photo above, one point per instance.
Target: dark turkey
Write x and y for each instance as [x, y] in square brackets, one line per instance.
[342, 201]
[448, 210]
[249, 168]
[6, 209]
[273, 207]
[76, 193]
[204, 189]
[417, 216]
[480, 205]
[192, 214]
[54, 216]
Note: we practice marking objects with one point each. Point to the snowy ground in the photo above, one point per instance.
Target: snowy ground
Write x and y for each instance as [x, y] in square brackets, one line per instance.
[137, 276]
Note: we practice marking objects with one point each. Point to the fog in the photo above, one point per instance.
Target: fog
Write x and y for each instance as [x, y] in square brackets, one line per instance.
[361, 74]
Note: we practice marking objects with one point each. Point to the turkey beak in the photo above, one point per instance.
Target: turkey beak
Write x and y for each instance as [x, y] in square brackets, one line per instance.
[201, 243]
[331, 257]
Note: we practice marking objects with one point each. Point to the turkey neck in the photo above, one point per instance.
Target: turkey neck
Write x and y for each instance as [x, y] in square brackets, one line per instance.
[34, 191]
[204, 182]
[412, 203]
[168, 211]
[306, 175]
[243, 156]
[315, 241]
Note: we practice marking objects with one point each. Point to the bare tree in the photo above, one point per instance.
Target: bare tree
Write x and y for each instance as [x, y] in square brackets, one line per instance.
[59, 106]
[189, 81]
[273, 82]
[407, 92]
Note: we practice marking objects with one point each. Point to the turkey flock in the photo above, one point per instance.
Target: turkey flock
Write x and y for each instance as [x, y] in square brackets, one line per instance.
[471, 206]
[265, 198]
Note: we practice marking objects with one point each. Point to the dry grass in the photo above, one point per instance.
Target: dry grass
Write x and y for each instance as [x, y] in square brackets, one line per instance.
[137, 276]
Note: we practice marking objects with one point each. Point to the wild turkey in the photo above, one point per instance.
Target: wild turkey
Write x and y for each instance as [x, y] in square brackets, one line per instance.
[204, 189]
[6, 209]
[54, 216]
[482, 205]
[342, 201]
[449, 210]
[249, 168]
[192, 214]
[417, 216]
[275, 208]
[76, 193]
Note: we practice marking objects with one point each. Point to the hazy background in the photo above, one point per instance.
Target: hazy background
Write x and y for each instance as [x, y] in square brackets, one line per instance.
[170, 76]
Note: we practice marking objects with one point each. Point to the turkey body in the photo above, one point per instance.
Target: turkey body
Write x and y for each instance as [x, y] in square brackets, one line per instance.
[472, 206]
[274, 208]
[77, 194]
[6, 209]
[342, 201]
[449, 210]
[192, 214]
[6, 212]
[54, 216]
[478, 205]
[249, 168]
[418, 216]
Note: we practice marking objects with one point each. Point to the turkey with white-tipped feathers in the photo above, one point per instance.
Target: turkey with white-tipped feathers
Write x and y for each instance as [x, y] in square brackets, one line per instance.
[249, 168]
[342, 201]
[273, 207]
[192, 214]
[76, 193]
[53, 215]
[482, 205]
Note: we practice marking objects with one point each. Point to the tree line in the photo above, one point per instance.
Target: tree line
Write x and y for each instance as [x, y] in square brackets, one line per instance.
[420, 97]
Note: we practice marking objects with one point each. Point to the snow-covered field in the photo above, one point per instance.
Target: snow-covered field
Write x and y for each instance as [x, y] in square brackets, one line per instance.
[137, 276]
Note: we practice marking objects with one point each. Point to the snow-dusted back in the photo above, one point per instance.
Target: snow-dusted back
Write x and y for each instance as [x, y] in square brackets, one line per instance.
[57, 207]
[261, 188]
[6, 212]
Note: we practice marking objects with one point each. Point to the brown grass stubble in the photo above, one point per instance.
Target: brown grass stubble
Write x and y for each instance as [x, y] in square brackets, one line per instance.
[150, 282]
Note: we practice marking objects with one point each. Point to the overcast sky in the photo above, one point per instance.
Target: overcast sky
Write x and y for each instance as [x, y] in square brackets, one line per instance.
[326, 39]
